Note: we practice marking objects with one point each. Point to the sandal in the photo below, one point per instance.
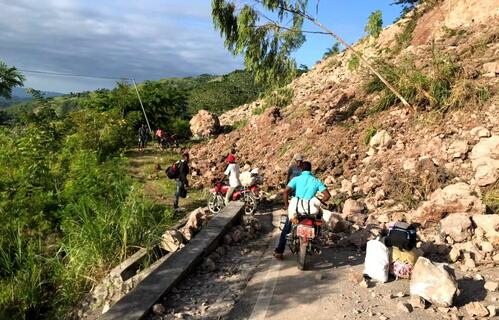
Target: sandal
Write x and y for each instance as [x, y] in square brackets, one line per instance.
[279, 256]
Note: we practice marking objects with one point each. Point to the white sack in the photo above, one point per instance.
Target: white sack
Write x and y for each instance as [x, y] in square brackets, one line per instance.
[247, 180]
[303, 206]
[377, 261]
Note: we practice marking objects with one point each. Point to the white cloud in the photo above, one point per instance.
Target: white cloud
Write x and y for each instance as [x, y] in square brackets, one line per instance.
[148, 39]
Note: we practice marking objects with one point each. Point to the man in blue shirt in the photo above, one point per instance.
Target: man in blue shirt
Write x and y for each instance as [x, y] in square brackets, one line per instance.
[305, 186]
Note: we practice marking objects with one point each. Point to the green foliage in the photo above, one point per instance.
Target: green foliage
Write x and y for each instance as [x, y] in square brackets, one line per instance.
[69, 210]
[440, 87]
[334, 50]
[279, 98]
[371, 131]
[240, 124]
[9, 78]
[223, 93]
[374, 24]
[490, 198]
[353, 63]
[266, 46]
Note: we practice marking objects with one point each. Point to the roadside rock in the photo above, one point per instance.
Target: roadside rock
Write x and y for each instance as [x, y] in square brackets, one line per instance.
[457, 149]
[352, 207]
[476, 309]
[417, 302]
[485, 161]
[158, 309]
[435, 282]
[454, 198]
[171, 240]
[480, 132]
[381, 139]
[491, 286]
[192, 225]
[204, 124]
[457, 226]
[490, 224]
[404, 307]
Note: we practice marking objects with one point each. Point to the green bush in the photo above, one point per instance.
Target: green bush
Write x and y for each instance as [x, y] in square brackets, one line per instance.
[374, 24]
[353, 63]
[279, 98]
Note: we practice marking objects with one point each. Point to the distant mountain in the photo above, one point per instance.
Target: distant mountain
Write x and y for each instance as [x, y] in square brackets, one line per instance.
[21, 95]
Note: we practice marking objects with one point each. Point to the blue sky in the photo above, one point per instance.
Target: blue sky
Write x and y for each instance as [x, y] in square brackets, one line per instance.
[146, 39]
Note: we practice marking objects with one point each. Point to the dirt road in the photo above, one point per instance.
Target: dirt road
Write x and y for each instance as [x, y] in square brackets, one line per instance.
[249, 283]
[330, 290]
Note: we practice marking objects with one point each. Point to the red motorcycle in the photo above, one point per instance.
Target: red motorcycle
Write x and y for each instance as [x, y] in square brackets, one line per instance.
[249, 195]
[305, 229]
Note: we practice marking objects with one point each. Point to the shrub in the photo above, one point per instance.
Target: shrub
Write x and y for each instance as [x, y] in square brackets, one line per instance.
[374, 24]
[369, 134]
[279, 98]
[353, 63]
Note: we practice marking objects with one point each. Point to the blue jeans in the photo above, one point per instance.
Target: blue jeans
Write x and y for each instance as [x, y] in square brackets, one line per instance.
[281, 245]
[179, 185]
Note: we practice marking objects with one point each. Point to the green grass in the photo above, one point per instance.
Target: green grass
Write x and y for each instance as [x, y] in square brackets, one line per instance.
[491, 198]
[371, 131]
[441, 86]
[353, 63]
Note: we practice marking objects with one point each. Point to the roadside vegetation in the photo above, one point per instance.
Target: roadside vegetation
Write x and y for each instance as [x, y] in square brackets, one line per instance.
[70, 205]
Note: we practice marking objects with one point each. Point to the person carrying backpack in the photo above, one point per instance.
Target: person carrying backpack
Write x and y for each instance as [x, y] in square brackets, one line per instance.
[181, 183]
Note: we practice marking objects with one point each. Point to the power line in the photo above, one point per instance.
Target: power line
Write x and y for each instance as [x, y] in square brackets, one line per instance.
[72, 75]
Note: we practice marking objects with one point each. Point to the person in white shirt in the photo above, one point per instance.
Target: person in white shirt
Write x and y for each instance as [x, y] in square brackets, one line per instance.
[233, 172]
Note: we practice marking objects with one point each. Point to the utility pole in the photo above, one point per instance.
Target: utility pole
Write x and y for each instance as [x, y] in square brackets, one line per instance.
[140, 100]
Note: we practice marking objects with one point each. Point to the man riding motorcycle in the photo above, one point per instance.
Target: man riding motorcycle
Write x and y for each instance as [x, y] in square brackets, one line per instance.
[305, 186]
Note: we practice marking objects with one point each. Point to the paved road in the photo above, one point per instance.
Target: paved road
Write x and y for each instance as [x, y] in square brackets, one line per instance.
[329, 290]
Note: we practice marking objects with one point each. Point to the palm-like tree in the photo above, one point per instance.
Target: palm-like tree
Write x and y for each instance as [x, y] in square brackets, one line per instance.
[9, 78]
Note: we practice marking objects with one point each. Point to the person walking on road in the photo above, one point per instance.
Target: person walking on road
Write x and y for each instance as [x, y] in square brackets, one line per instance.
[181, 182]
[233, 172]
[305, 186]
[142, 135]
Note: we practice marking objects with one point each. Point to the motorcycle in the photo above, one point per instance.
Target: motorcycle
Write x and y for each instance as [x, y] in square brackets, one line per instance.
[248, 194]
[305, 230]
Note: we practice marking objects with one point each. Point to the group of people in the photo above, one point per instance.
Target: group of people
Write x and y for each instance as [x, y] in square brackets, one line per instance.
[163, 139]
[301, 185]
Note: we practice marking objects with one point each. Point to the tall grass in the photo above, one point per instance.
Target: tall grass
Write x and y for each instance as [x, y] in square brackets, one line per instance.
[441, 86]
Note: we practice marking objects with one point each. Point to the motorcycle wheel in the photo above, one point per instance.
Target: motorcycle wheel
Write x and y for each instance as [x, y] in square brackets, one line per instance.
[249, 203]
[215, 203]
[302, 255]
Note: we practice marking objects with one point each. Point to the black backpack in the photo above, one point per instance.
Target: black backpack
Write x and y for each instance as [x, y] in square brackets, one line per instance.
[401, 235]
[173, 171]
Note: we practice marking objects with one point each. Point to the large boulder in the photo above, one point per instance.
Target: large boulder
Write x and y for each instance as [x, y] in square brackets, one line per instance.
[490, 224]
[435, 282]
[455, 198]
[485, 161]
[204, 124]
[457, 226]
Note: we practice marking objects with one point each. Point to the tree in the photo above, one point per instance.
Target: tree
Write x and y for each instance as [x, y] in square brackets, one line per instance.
[374, 24]
[267, 31]
[9, 78]
[334, 50]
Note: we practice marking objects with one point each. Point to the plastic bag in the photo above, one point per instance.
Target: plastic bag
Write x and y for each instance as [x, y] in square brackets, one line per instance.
[377, 261]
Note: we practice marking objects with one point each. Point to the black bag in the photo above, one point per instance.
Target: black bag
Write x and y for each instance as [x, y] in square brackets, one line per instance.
[173, 171]
[401, 235]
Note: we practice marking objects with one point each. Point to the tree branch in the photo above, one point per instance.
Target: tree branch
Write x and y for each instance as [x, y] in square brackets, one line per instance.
[343, 42]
